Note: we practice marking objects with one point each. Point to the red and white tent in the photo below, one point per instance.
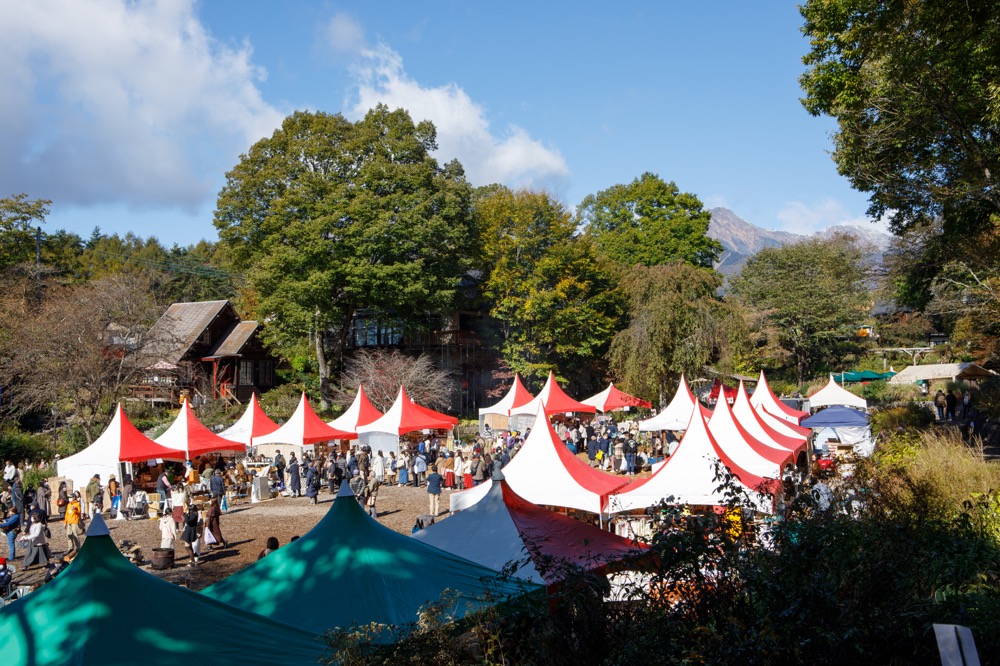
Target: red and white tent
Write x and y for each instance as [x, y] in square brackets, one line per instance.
[120, 442]
[303, 427]
[834, 394]
[753, 421]
[689, 476]
[674, 416]
[361, 412]
[746, 451]
[187, 435]
[253, 423]
[554, 400]
[764, 398]
[613, 398]
[504, 528]
[515, 397]
[404, 416]
[546, 473]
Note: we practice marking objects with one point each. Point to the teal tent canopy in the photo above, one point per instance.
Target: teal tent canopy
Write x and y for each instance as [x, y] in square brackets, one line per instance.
[861, 376]
[104, 610]
[349, 569]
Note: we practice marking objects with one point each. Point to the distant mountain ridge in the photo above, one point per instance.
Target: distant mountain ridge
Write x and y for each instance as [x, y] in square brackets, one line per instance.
[741, 239]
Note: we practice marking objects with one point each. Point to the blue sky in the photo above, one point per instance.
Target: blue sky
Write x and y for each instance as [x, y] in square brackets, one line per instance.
[128, 114]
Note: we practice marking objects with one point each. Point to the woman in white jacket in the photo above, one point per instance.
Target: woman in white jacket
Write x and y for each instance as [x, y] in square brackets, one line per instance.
[460, 469]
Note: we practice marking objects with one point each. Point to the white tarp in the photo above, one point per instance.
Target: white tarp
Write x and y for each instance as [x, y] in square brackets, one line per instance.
[834, 394]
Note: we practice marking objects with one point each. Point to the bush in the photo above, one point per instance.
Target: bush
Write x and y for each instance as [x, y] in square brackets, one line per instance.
[21, 446]
[908, 416]
[280, 403]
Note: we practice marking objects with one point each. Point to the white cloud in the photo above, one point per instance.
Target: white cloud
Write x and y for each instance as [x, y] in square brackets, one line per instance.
[464, 132]
[344, 34]
[111, 101]
[802, 218]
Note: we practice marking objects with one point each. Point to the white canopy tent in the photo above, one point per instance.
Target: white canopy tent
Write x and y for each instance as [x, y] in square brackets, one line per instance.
[764, 398]
[676, 415]
[253, 423]
[546, 473]
[402, 417]
[834, 394]
[747, 452]
[689, 476]
[498, 416]
[360, 413]
[753, 421]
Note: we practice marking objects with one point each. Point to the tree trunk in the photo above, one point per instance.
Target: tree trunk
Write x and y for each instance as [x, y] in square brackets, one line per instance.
[323, 366]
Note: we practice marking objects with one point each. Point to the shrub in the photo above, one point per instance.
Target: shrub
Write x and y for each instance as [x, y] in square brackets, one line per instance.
[908, 416]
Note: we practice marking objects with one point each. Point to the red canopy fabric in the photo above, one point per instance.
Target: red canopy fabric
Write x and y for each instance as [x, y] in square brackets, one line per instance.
[406, 416]
[729, 392]
[253, 423]
[190, 437]
[361, 412]
[133, 446]
[554, 400]
[304, 427]
[613, 398]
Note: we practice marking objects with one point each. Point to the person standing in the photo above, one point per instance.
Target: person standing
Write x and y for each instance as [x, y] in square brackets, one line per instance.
[631, 449]
[37, 545]
[434, 491]
[378, 467]
[279, 465]
[372, 496]
[403, 468]
[217, 485]
[459, 467]
[312, 483]
[163, 490]
[419, 468]
[9, 472]
[294, 480]
[168, 531]
[364, 463]
[95, 499]
[72, 520]
[62, 500]
[10, 526]
[966, 405]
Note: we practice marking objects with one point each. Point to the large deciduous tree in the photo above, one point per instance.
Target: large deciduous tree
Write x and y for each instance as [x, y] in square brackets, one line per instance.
[814, 293]
[553, 298]
[327, 216]
[70, 355]
[649, 222]
[678, 325]
[17, 238]
[915, 90]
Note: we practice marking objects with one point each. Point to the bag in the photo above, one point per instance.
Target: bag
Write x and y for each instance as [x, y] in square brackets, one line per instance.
[61, 502]
[225, 504]
[48, 532]
[210, 538]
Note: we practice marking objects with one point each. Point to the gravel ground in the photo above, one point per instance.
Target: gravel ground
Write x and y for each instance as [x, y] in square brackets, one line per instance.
[246, 527]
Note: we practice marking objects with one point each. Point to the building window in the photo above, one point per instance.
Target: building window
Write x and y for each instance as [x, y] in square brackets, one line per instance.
[246, 373]
[265, 373]
[206, 337]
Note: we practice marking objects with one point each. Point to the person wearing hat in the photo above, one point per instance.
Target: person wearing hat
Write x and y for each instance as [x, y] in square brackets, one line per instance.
[72, 520]
[95, 498]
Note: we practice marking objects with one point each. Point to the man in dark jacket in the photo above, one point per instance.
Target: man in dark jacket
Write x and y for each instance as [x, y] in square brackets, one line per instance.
[217, 485]
[631, 449]
[279, 464]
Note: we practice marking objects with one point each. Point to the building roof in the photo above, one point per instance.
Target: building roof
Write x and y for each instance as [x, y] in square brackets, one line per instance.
[933, 371]
[235, 339]
[173, 335]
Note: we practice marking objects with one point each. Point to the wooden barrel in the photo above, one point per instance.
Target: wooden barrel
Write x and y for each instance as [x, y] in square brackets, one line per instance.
[163, 558]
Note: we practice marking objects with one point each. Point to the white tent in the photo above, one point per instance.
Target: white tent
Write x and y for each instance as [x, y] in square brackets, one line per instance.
[546, 473]
[753, 421]
[689, 476]
[674, 416]
[187, 435]
[360, 413]
[119, 442]
[747, 452]
[553, 399]
[302, 429]
[402, 417]
[834, 394]
[253, 423]
[938, 371]
[764, 398]
[498, 416]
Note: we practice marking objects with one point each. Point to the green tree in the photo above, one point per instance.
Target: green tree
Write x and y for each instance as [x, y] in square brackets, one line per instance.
[915, 90]
[18, 214]
[814, 293]
[678, 325]
[649, 222]
[327, 216]
[553, 298]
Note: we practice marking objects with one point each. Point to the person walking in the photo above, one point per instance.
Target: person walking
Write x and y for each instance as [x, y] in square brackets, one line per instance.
[940, 402]
[190, 534]
[950, 402]
[213, 524]
[44, 498]
[217, 485]
[37, 545]
[168, 531]
[74, 523]
[95, 496]
[434, 491]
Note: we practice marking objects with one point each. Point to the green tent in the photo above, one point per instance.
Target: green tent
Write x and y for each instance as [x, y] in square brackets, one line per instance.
[104, 610]
[351, 570]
